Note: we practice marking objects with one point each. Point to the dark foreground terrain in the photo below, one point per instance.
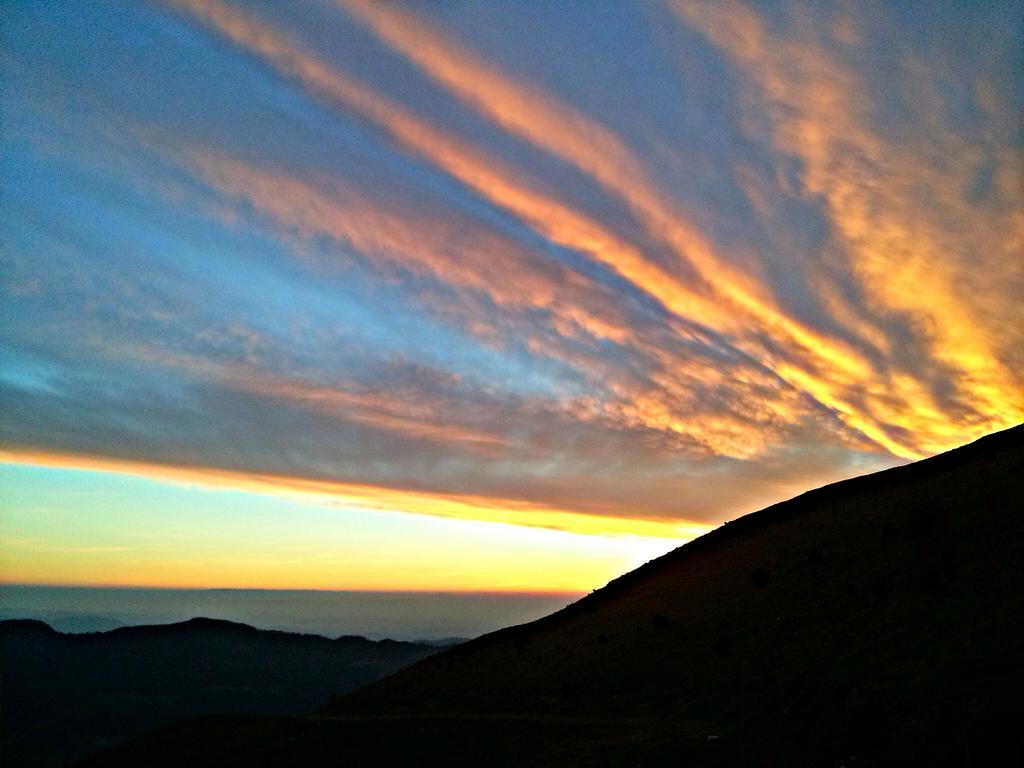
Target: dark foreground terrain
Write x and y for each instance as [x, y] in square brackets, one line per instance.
[65, 695]
[878, 621]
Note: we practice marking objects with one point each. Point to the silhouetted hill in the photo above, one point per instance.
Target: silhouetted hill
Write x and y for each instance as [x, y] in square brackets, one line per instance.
[74, 622]
[66, 694]
[877, 621]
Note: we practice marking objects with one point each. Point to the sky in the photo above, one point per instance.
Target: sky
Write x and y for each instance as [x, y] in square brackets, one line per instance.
[470, 296]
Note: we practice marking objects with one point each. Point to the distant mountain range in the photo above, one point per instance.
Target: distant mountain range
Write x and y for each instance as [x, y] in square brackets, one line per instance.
[76, 623]
[877, 621]
[65, 695]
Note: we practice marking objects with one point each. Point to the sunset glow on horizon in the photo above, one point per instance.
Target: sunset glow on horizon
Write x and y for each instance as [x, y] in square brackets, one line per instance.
[92, 528]
[486, 296]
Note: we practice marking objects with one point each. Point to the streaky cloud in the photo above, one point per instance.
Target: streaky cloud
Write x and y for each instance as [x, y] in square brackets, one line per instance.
[459, 506]
[919, 249]
[672, 264]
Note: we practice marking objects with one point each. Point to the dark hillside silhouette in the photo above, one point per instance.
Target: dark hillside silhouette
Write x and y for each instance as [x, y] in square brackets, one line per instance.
[64, 695]
[877, 621]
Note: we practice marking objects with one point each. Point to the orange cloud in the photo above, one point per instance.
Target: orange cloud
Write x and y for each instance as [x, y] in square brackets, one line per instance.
[896, 258]
[462, 254]
[560, 224]
[556, 128]
[728, 303]
[455, 250]
[916, 246]
[404, 413]
[892, 411]
[374, 497]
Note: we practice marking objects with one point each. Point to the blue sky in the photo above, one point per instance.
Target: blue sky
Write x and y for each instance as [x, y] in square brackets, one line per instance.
[607, 268]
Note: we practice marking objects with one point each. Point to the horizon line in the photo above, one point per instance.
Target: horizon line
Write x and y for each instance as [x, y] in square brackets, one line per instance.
[167, 588]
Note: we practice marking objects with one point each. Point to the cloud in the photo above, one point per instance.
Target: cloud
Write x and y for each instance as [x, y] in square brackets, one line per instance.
[824, 367]
[452, 248]
[551, 126]
[399, 268]
[460, 506]
[924, 256]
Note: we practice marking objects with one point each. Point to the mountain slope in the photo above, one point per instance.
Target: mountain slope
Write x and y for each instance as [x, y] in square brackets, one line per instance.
[64, 694]
[875, 621]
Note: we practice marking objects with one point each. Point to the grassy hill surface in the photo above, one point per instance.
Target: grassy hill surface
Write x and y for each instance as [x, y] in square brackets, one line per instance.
[877, 621]
[64, 695]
